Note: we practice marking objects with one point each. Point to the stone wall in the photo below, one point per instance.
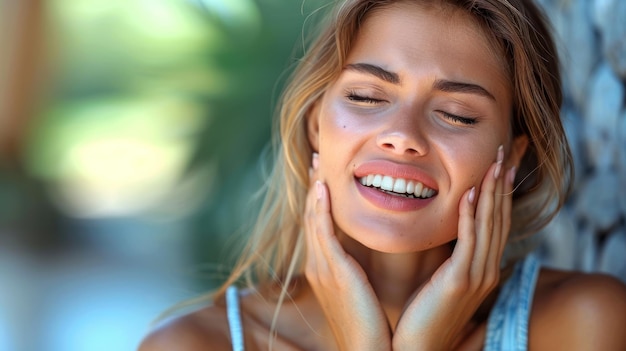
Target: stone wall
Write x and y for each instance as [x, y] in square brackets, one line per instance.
[589, 234]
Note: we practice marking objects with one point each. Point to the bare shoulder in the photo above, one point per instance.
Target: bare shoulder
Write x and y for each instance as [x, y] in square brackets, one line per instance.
[205, 329]
[578, 311]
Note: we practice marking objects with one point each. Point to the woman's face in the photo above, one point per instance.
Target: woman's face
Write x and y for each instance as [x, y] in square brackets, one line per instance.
[422, 103]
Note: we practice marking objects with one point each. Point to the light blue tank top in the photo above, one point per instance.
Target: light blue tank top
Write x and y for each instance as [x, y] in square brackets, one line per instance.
[507, 326]
[234, 318]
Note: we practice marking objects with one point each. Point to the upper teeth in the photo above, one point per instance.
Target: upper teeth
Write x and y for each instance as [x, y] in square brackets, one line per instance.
[397, 185]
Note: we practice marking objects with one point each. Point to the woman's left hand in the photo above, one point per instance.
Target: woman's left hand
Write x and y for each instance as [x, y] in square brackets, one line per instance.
[438, 316]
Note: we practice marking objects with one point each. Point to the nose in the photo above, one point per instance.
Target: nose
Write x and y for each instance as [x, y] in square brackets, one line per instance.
[403, 137]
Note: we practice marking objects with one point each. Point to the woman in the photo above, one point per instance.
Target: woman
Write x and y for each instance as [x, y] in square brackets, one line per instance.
[418, 139]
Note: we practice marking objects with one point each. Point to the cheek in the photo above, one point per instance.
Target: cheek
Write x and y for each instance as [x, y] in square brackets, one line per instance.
[342, 120]
[468, 162]
[341, 134]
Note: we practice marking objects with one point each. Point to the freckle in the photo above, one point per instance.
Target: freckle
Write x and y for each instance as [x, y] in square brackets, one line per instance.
[344, 126]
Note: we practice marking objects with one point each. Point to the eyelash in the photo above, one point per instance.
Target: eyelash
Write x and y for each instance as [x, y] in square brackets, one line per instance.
[459, 119]
[353, 96]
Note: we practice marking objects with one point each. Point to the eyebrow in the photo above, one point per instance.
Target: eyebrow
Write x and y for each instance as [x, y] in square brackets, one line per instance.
[440, 84]
[374, 70]
[459, 87]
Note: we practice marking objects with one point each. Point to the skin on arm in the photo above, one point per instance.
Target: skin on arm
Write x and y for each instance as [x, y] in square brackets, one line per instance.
[206, 329]
[576, 311]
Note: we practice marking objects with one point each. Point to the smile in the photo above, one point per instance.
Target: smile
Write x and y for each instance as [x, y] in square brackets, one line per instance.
[397, 186]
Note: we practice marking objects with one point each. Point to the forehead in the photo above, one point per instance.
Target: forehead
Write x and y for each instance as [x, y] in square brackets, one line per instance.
[413, 37]
[454, 17]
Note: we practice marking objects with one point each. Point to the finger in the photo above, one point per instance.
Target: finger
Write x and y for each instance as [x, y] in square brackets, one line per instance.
[466, 238]
[324, 224]
[484, 216]
[322, 244]
[310, 229]
[492, 264]
[507, 207]
[309, 210]
[313, 249]
[495, 237]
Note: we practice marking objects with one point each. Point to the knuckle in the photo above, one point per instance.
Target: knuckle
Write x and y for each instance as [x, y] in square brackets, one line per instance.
[461, 286]
[491, 280]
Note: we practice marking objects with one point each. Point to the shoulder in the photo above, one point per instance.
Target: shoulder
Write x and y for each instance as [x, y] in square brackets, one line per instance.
[205, 329]
[578, 311]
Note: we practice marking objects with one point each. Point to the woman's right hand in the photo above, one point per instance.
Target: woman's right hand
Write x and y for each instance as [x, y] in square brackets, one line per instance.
[340, 284]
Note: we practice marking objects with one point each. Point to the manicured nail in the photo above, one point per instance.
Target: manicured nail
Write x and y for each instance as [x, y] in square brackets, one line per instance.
[315, 160]
[318, 189]
[472, 195]
[499, 162]
[511, 175]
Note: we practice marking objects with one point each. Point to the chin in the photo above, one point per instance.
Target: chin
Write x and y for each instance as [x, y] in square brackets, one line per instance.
[397, 241]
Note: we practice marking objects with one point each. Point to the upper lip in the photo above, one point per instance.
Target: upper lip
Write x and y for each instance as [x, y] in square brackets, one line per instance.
[395, 170]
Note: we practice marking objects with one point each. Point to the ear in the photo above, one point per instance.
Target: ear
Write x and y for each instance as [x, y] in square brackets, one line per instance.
[313, 126]
[518, 149]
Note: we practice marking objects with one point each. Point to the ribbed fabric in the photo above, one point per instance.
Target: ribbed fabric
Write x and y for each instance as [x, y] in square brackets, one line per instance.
[507, 327]
[234, 318]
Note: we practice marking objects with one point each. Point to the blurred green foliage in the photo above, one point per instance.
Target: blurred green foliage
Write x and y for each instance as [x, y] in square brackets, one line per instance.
[180, 92]
[256, 64]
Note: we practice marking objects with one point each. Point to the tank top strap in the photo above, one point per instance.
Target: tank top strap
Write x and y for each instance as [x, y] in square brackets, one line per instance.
[234, 318]
[507, 326]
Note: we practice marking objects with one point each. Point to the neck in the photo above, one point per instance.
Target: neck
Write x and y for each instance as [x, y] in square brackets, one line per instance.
[396, 277]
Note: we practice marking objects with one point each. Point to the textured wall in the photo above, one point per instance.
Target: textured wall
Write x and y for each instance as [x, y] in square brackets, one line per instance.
[590, 232]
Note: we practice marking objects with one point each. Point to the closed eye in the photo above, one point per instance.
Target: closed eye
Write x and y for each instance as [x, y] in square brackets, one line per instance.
[359, 98]
[459, 119]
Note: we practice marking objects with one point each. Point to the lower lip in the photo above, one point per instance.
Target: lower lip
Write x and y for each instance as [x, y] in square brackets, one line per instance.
[391, 202]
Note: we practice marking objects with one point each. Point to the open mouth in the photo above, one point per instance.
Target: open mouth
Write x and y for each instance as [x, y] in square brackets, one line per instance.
[398, 186]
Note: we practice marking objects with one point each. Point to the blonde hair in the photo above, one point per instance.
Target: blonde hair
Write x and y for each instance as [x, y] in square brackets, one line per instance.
[275, 248]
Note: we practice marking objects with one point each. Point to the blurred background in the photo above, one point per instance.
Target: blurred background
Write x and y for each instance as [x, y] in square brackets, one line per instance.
[134, 134]
[131, 140]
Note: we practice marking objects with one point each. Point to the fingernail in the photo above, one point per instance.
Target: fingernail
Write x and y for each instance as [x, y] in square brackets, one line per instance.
[315, 160]
[511, 175]
[310, 172]
[499, 162]
[472, 195]
[318, 189]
